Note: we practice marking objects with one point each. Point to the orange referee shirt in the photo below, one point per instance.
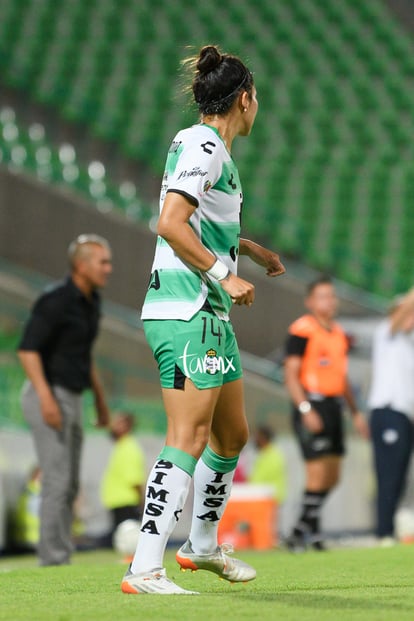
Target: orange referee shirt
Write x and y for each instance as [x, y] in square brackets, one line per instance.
[324, 355]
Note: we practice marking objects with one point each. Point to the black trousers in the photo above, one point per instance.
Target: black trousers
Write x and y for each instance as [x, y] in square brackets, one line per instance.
[392, 437]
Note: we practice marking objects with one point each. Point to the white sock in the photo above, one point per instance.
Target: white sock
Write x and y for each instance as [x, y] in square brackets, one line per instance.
[211, 492]
[166, 492]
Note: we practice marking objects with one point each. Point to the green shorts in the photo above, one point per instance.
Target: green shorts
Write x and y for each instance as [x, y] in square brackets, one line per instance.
[203, 349]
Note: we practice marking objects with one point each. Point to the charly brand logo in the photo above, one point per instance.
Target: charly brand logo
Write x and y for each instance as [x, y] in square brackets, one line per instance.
[208, 146]
[231, 182]
[321, 444]
[210, 364]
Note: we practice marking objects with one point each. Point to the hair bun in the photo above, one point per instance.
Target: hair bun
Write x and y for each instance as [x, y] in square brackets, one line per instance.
[209, 58]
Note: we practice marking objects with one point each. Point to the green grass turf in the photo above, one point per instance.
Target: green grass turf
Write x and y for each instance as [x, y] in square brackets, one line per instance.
[342, 585]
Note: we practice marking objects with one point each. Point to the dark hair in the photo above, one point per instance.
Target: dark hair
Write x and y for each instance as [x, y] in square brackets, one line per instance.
[218, 80]
[321, 280]
[266, 432]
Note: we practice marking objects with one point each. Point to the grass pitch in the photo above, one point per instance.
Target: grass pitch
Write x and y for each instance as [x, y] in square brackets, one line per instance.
[338, 585]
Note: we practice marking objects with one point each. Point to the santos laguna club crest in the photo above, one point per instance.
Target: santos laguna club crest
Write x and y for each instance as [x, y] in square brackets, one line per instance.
[211, 363]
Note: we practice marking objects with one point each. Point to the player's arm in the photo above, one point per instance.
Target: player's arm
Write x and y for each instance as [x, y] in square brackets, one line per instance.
[402, 312]
[174, 227]
[263, 257]
[311, 418]
[101, 407]
[39, 330]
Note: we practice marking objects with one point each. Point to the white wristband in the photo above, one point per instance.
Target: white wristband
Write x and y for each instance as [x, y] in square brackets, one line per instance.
[218, 270]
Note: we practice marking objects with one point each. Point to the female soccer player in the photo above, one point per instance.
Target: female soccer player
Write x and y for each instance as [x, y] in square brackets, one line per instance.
[193, 285]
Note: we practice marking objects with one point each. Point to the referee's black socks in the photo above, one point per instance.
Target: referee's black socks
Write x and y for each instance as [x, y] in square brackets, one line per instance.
[309, 521]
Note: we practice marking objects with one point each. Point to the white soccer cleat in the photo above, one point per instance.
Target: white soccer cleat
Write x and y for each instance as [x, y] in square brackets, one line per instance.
[231, 569]
[154, 582]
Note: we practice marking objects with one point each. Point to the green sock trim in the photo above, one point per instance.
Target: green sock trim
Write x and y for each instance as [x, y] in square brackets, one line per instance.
[218, 463]
[179, 458]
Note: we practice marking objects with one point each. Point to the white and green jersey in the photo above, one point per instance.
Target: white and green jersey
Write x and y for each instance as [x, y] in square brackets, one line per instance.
[200, 168]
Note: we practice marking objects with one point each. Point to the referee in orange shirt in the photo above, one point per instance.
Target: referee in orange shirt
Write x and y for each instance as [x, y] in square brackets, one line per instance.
[317, 382]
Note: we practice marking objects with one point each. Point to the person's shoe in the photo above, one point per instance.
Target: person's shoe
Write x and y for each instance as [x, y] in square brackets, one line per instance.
[318, 545]
[296, 543]
[155, 582]
[387, 542]
[231, 569]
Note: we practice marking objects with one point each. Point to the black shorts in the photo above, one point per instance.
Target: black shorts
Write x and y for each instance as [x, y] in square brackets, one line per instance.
[330, 441]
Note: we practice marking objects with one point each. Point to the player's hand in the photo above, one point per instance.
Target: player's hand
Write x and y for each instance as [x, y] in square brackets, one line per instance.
[241, 291]
[361, 425]
[51, 412]
[273, 264]
[262, 256]
[103, 417]
[312, 421]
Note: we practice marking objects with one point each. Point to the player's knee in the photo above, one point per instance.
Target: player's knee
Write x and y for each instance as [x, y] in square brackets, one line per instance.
[332, 478]
[230, 445]
[236, 443]
[191, 439]
[200, 440]
[242, 438]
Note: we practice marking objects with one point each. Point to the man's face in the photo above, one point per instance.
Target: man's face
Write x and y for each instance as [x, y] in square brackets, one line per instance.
[323, 301]
[119, 427]
[96, 266]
